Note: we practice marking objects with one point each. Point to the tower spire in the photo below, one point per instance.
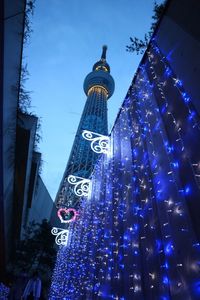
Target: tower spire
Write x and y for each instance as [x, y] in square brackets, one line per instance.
[102, 64]
[103, 55]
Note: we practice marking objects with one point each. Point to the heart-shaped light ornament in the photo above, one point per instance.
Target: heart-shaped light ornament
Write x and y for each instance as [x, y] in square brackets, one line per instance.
[66, 211]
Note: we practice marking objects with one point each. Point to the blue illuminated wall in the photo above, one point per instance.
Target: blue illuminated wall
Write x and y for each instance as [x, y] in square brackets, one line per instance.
[137, 236]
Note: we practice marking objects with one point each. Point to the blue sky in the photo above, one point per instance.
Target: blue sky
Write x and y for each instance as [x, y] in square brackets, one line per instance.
[66, 41]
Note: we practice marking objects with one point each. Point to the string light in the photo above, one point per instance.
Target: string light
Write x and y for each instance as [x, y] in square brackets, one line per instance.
[136, 227]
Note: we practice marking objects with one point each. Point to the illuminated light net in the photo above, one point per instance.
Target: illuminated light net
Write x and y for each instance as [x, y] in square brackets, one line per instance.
[138, 234]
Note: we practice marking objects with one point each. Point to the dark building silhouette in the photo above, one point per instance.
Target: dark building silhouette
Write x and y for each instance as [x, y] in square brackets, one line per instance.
[22, 191]
[11, 39]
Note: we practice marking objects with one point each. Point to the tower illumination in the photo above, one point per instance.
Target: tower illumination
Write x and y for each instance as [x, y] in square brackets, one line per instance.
[98, 87]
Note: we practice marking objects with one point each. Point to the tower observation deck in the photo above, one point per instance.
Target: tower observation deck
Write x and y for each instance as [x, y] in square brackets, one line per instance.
[98, 87]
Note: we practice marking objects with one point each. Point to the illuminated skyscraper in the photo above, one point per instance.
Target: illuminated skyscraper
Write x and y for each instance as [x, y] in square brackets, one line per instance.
[99, 87]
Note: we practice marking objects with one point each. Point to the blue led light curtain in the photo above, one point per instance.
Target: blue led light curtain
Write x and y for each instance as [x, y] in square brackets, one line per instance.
[137, 236]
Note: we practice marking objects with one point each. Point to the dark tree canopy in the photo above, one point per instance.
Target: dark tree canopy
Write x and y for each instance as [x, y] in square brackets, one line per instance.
[36, 251]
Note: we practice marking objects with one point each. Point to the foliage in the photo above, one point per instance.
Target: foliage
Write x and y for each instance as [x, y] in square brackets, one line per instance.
[139, 45]
[24, 104]
[37, 250]
[30, 6]
[24, 95]
[38, 136]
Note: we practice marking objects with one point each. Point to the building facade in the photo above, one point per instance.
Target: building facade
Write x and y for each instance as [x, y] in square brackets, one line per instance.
[22, 191]
[98, 87]
[11, 39]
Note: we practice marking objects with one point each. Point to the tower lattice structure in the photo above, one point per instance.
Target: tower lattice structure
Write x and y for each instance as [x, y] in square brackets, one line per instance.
[98, 87]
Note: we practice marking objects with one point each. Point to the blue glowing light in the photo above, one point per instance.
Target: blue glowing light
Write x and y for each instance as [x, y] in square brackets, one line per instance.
[178, 83]
[163, 109]
[196, 287]
[166, 265]
[126, 237]
[145, 128]
[136, 209]
[134, 178]
[196, 245]
[169, 248]
[165, 280]
[158, 245]
[170, 149]
[186, 98]
[192, 115]
[187, 190]
[120, 257]
[168, 71]
[175, 165]
[136, 227]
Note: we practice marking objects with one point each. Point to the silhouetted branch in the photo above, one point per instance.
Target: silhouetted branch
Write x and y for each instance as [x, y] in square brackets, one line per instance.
[30, 6]
[139, 45]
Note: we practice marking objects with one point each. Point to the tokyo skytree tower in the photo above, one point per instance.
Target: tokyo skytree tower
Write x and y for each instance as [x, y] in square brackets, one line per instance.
[98, 87]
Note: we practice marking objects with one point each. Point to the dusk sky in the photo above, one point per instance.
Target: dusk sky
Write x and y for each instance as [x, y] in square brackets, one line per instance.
[66, 41]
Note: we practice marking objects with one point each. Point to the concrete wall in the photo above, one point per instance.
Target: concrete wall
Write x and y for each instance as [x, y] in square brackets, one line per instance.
[42, 203]
[26, 130]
